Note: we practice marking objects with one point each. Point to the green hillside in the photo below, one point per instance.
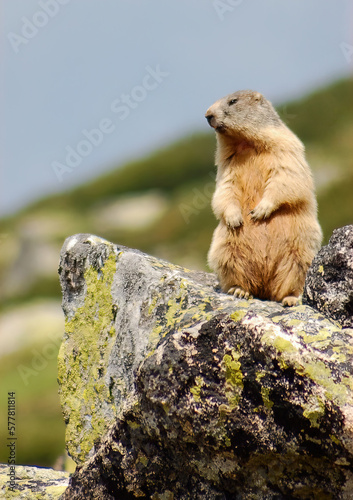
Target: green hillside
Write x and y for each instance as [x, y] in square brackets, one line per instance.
[159, 204]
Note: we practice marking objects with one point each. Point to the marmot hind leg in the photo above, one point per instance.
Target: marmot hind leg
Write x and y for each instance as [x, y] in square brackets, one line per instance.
[288, 284]
[290, 301]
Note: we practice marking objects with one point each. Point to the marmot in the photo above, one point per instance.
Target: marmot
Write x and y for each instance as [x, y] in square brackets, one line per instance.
[268, 231]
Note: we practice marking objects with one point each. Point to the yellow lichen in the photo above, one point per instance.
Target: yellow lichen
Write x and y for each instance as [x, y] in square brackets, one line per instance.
[234, 378]
[238, 315]
[196, 389]
[335, 440]
[283, 345]
[265, 393]
[314, 409]
[82, 360]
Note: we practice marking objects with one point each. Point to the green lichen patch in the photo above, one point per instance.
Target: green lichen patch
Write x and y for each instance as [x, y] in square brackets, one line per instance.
[312, 367]
[238, 315]
[178, 312]
[322, 338]
[82, 363]
[233, 377]
[166, 495]
[336, 441]
[244, 304]
[265, 393]
[196, 389]
[338, 356]
[287, 321]
[284, 345]
[314, 410]
[152, 305]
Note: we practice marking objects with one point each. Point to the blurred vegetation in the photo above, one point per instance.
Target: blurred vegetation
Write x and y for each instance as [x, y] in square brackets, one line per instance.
[324, 122]
[182, 176]
[39, 425]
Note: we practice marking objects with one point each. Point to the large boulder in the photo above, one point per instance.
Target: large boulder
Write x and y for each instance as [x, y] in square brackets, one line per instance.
[329, 282]
[171, 389]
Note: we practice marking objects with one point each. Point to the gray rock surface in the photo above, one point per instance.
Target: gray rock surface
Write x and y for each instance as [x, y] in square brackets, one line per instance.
[32, 483]
[173, 390]
[329, 282]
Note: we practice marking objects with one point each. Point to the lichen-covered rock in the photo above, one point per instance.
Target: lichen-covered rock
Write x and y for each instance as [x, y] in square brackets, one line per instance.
[32, 483]
[173, 390]
[329, 282]
[118, 304]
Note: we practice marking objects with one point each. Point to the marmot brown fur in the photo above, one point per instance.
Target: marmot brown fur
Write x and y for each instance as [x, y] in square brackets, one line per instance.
[268, 232]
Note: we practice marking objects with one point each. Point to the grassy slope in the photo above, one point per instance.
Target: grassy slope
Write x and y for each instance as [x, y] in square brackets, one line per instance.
[183, 161]
[39, 425]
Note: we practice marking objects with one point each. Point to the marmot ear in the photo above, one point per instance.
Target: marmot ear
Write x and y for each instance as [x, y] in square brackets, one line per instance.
[258, 96]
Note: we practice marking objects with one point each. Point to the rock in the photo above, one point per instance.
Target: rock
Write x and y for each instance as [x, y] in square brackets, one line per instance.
[118, 304]
[329, 282]
[173, 390]
[32, 483]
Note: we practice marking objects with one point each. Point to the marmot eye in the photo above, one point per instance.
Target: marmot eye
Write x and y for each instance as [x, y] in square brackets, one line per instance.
[232, 101]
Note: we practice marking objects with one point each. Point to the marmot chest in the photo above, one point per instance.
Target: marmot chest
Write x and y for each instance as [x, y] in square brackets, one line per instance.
[249, 182]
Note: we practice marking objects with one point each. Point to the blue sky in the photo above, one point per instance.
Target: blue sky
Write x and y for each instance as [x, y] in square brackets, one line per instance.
[89, 84]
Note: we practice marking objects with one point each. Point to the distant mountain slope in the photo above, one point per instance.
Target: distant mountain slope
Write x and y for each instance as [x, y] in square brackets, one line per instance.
[166, 170]
[324, 114]
[324, 122]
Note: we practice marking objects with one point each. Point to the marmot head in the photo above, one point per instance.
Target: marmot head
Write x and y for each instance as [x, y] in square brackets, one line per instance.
[242, 113]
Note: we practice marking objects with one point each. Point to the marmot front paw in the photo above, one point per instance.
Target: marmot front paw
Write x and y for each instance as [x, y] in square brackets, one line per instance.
[233, 220]
[239, 292]
[262, 211]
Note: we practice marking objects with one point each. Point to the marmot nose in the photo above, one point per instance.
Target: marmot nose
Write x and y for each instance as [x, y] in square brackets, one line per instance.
[209, 118]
